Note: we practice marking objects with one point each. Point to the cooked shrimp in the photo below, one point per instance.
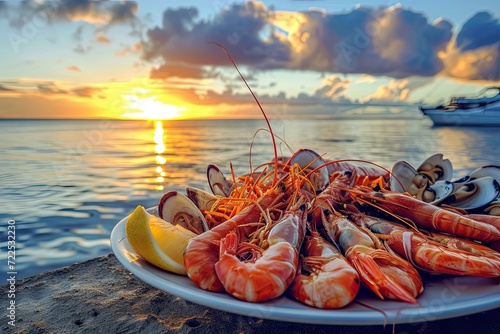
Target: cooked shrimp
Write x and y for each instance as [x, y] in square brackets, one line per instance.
[439, 253]
[268, 272]
[202, 252]
[326, 279]
[428, 216]
[386, 274]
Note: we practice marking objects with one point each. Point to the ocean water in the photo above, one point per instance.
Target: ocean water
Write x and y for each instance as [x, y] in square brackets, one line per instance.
[67, 183]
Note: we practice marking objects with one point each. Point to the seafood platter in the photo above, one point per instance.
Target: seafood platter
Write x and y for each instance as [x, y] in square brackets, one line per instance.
[307, 239]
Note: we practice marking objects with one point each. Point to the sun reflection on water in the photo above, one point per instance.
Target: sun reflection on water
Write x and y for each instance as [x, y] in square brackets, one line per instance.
[159, 140]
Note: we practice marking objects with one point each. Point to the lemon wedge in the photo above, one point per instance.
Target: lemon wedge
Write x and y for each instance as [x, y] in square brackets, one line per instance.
[157, 241]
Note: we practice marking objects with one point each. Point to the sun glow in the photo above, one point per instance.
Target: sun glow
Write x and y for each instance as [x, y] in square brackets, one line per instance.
[151, 108]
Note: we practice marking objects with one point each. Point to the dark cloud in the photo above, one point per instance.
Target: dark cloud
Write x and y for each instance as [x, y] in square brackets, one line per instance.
[102, 12]
[123, 12]
[382, 41]
[387, 41]
[481, 30]
[86, 91]
[49, 88]
[172, 70]
[476, 52]
[3, 7]
[5, 89]
[240, 28]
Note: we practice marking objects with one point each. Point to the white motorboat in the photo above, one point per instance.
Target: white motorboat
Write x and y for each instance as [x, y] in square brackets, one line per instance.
[482, 110]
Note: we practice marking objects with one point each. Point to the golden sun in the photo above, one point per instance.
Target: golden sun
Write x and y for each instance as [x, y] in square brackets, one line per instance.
[150, 108]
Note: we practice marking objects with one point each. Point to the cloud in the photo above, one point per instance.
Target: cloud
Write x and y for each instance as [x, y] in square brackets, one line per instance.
[332, 87]
[48, 88]
[397, 91]
[134, 49]
[87, 91]
[173, 70]
[5, 89]
[366, 78]
[391, 41]
[100, 12]
[475, 54]
[380, 41]
[481, 30]
[242, 28]
[73, 68]
[101, 38]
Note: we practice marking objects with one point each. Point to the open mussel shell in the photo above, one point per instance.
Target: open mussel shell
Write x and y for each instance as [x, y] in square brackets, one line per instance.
[176, 208]
[493, 208]
[436, 168]
[218, 182]
[308, 160]
[473, 194]
[441, 190]
[404, 178]
[491, 170]
[201, 198]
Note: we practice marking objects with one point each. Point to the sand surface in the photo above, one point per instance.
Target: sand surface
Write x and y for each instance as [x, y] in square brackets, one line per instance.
[101, 296]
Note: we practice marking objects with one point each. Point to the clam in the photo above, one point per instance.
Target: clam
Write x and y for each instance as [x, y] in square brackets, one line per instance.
[218, 182]
[308, 160]
[436, 168]
[441, 190]
[491, 170]
[176, 208]
[404, 178]
[201, 198]
[493, 208]
[473, 194]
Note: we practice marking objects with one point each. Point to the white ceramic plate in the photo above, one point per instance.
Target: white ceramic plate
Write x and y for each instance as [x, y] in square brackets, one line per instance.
[444, 297]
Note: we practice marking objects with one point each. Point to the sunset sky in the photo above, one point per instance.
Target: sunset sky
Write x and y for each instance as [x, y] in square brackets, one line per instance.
[152, 59]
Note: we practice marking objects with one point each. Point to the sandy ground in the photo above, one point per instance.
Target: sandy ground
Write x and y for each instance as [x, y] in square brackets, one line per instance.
[101, 296]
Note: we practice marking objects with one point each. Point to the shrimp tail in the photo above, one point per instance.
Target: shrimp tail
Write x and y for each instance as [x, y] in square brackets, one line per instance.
[374, 278]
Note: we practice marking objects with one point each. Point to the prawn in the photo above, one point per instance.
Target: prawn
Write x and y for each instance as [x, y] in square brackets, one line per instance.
[202, 251]
[438, 254]
[267, 273]
[427, 215]
[325, 278]
[385, 273]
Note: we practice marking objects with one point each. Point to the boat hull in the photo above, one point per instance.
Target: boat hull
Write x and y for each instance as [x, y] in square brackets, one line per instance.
[459, 117]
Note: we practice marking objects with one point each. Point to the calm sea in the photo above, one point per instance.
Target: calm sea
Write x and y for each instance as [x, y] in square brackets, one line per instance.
[67, 183]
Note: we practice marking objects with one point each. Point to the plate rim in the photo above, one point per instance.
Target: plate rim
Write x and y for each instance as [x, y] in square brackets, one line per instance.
[300, 313]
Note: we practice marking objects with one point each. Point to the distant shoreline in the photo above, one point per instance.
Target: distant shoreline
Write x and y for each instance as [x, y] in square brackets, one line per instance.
[350, 117]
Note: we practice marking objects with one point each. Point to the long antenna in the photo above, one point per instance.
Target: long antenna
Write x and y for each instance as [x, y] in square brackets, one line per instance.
[261, 109]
